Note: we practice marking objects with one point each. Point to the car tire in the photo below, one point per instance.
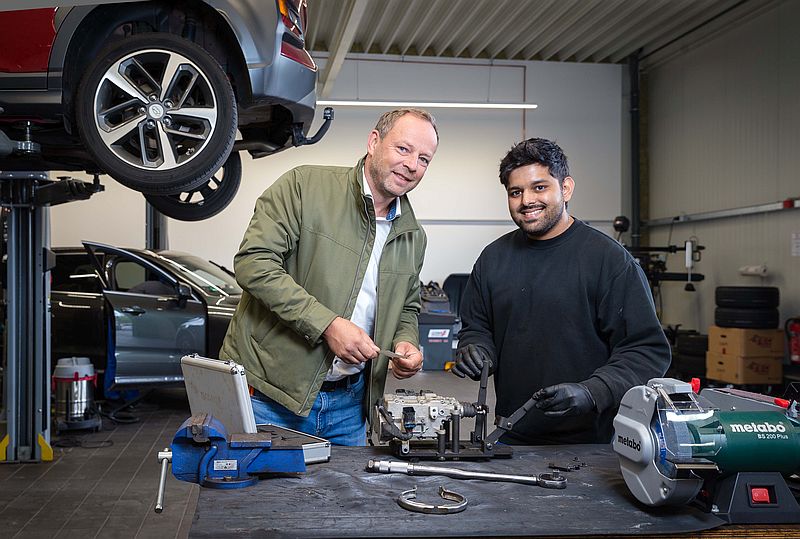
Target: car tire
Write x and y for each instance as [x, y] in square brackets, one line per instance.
[747, 297]
[689, 366]
[206, 200]
[691, 344]
[157, 113]
[728, 317]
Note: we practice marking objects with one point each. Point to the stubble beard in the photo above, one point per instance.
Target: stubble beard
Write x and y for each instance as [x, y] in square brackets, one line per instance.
[549, 219]
[383, 180]
[377, 182]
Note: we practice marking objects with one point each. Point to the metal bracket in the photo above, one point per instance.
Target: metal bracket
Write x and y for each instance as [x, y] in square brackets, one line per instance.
[575, 464]
[24, 147]
[407, 500]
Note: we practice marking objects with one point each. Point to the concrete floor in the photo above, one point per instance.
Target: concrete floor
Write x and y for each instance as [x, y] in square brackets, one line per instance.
[104, 484]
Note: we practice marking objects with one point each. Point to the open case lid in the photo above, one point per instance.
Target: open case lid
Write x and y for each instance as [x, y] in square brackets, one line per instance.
[219, 388]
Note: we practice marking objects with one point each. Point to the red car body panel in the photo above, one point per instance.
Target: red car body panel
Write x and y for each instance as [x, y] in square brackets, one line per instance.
[26, 38]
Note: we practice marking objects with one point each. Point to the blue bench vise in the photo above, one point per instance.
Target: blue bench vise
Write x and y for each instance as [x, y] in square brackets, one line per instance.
[202, 452]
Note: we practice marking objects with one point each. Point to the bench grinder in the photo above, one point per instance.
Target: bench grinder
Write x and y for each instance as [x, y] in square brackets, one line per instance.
[676, 447]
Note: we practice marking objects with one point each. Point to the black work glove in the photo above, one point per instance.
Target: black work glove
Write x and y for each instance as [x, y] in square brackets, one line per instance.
[564, 400]
[469, 361]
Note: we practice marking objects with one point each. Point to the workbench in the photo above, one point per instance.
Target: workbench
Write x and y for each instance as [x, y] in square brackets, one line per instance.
[340, 499]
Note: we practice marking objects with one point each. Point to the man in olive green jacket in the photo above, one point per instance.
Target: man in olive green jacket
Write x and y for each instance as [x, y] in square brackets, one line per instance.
[330, 270]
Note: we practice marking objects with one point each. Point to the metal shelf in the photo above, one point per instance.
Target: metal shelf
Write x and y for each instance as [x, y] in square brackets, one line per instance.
[788, 204]
[497, 222]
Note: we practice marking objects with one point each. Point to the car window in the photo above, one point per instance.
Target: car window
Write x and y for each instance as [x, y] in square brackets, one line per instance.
[213, 280]
[74, 273]
[130, 276]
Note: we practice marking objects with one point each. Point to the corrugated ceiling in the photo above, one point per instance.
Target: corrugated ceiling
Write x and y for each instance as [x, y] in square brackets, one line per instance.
[607, 31]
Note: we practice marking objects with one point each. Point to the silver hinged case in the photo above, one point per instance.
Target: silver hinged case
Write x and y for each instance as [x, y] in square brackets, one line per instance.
[315, 449]
[220, 388]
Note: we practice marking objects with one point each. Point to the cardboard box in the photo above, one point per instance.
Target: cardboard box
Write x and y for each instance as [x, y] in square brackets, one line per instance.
[744, 370]
[745, 342]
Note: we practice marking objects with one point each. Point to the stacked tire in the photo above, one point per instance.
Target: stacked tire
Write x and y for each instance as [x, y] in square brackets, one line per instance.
[689, 355]
[748, 307]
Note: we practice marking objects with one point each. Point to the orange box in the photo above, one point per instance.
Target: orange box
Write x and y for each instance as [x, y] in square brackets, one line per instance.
[744, 370]
[745, 342]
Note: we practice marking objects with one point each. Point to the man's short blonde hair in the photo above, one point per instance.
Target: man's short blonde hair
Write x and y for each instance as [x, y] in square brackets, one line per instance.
[388, 119]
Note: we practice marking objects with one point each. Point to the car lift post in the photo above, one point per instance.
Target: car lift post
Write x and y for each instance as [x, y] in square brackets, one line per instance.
[155, 229]
[27, 197]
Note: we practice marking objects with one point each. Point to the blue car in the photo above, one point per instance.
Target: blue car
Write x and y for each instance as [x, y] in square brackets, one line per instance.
[135, 312]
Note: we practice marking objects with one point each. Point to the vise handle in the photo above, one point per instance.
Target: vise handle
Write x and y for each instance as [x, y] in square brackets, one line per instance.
[164, 457]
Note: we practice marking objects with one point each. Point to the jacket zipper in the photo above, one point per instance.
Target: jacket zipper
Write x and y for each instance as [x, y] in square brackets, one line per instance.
[368, 379]
[360, 257]
[377, 310]
[360, 260]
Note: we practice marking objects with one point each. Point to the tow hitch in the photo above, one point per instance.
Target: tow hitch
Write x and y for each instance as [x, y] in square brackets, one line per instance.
[299, 139]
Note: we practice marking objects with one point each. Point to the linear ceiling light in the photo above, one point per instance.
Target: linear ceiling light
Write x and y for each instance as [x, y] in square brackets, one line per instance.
[431, 105]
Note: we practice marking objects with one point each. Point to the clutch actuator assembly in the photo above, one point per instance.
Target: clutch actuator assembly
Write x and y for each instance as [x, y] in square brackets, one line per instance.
[425, 425]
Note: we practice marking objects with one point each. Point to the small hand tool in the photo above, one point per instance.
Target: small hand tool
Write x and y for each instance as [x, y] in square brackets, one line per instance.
[392, 355]
[546, 480]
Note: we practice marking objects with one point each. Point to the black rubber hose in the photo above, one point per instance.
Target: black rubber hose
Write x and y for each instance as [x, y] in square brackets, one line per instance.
[393, 430]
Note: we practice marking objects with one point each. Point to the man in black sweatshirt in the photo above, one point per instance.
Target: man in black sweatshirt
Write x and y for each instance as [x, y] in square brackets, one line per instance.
[563, 312]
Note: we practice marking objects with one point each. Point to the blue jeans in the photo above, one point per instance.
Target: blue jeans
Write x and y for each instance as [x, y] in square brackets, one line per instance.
[336, 415]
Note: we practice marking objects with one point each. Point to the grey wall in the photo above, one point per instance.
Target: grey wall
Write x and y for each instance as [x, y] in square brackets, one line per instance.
[579, 106]
[725, 133]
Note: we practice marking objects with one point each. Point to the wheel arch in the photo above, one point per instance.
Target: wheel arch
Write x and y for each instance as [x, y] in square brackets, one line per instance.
[79, 42]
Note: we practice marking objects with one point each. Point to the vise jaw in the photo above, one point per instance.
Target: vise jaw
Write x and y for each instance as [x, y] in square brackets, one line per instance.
[204, 453]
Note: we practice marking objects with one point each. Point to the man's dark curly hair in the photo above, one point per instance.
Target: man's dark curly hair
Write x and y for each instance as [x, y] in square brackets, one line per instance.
[535, 151]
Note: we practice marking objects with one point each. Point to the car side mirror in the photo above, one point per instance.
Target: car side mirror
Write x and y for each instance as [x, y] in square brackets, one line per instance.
[184, 293]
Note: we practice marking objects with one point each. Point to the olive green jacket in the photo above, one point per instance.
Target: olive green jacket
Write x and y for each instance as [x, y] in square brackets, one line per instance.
[301, 264]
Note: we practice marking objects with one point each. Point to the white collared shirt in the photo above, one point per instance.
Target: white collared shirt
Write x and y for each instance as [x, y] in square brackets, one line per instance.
[367, 299]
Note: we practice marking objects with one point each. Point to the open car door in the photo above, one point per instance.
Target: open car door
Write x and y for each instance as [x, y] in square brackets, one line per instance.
[151, 308]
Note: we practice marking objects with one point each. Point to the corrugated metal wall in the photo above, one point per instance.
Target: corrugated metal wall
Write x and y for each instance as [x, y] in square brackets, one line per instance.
[724, 132]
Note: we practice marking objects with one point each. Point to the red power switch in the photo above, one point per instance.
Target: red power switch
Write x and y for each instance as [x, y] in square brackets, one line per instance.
[759, 495]
[783, 403]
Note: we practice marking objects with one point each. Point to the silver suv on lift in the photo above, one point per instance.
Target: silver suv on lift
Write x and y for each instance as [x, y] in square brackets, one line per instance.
[154, 92]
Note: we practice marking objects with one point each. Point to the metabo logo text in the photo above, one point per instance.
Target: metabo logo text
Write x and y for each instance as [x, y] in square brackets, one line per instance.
[629, 442]
[757, 427]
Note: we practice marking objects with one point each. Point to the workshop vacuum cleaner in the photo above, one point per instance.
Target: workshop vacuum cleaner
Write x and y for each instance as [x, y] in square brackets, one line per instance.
[677, 447]
[73, 383]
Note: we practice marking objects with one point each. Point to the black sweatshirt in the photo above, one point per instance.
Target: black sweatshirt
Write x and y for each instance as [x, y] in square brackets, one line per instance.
[575, 308]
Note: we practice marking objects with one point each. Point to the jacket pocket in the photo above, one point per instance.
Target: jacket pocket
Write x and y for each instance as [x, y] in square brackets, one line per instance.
[263, 331]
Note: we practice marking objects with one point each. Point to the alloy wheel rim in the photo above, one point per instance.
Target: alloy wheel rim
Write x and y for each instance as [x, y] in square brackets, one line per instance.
[155, 109]
[203, 194]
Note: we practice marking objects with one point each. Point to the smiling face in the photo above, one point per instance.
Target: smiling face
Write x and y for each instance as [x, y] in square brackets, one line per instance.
[397, 162]
[537, 202]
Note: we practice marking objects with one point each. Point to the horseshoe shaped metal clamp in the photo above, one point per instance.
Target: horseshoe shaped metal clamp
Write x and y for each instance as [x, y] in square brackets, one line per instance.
[407, 500]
